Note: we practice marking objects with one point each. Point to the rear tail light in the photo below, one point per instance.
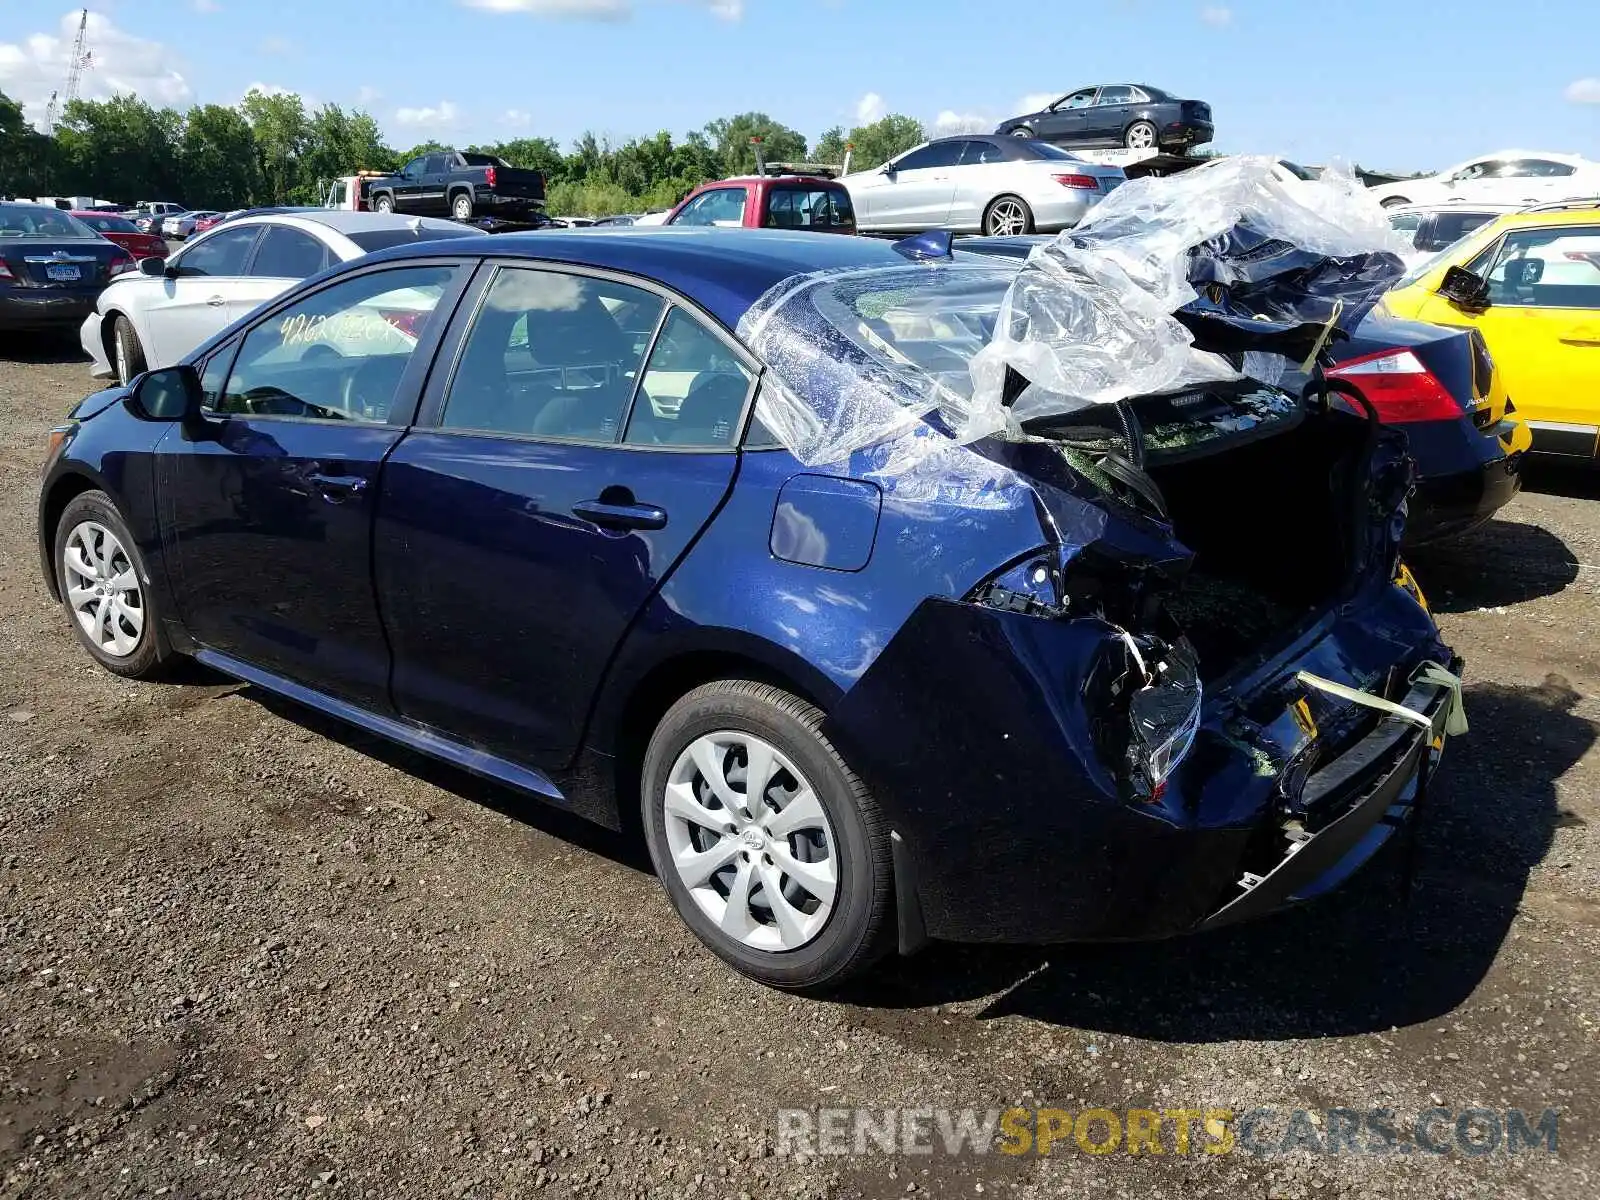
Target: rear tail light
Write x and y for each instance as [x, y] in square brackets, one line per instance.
[407, 321]
[5, 272]
[122, 265]
[1086, 182]
[489, 176]
[1400, 387]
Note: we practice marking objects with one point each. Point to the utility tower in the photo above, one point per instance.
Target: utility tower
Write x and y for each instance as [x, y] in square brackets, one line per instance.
[81, 58]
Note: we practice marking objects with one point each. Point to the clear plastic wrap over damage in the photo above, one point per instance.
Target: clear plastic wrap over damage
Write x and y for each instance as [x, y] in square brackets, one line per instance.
[1169, 283]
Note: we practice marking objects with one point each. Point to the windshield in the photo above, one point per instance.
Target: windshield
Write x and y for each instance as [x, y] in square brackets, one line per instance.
[381, 239]
[1037, 149]
[109, 224]
[29, 220]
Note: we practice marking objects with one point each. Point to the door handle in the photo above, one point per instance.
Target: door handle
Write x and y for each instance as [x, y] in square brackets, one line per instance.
[336, 489]
[216, 301]
[621, 516]
[1583, 337]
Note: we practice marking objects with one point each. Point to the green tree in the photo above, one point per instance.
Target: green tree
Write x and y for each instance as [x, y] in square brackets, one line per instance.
[339, 143]
[877, 143]
[830, 147]
[281, 131]
[217, 153]
[532, 154]
[731, 136]
[27, 157]
[429, 147]
[118, 147]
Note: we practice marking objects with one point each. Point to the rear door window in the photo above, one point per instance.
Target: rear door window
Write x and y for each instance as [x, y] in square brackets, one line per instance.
[1114, 95]
[809, 208]
[977, 153]
[287, 253]
[1537, 168]
[693, 391]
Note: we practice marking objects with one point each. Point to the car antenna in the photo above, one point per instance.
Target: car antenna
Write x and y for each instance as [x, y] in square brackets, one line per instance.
[935, 243]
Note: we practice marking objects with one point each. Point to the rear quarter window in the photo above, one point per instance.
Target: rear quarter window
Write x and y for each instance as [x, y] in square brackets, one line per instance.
[809, 208]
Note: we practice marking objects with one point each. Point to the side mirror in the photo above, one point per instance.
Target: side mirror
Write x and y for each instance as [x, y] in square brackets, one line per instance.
[1465, 289]
[886, 169]
[170, 394]
[155, 267]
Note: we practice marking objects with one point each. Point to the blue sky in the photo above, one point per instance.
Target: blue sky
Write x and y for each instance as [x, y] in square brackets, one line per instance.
[1376, 81]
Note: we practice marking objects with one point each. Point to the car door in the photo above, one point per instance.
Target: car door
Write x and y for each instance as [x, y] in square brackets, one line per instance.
[1480, 181]
[521, 534]
[1068, 123]
[1111, 114]
[435, 172]
[267, 500]
[978, 179]
[408, 187]
[284, 256]
[919, 188]
[1531, 180]
[1542, 327]
[193, 302]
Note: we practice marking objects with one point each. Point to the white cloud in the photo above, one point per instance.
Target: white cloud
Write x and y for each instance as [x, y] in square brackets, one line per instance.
[595, 10]
[367, 94]
[276, 45]
[36, 66]
[1035, 102]
[443, 115]
[268, 89]
[517, 118]
[949, 122]
[1216, 16]
[870, 108]
[1584, 91]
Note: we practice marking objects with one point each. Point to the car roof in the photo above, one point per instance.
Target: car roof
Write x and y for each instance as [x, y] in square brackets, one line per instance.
[723, 270]
[344, 221]
[1551, 216]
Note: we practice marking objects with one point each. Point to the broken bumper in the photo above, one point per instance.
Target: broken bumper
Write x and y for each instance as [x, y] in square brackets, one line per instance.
[1377, 785]
[1009, 828]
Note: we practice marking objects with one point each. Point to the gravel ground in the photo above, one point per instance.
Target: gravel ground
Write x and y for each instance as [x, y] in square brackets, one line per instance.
[245, 952]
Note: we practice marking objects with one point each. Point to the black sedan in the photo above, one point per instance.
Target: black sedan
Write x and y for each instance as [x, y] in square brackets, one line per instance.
[1134, 115]
[52, 268]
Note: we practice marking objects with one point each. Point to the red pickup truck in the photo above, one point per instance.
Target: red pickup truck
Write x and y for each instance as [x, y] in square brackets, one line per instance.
[769, 202]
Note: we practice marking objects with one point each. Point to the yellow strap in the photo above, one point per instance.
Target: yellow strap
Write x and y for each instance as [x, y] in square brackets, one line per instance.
[1322, 338]
[1430, 672]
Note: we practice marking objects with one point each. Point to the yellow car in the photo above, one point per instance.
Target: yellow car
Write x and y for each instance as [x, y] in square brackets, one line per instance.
[1534, 294]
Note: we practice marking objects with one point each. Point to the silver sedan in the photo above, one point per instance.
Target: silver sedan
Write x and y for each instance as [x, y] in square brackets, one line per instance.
[979, 183]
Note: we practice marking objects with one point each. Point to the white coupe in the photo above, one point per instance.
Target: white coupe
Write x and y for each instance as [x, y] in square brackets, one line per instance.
[153, 317]
[1518, 177]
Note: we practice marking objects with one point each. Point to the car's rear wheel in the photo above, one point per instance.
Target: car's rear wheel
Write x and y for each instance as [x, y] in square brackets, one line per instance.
[105, 588]
[1007, 216]
[1141, 135]
[127, 351]
[1395, 202]
[461, 207]
[384, 203]
[770, 848]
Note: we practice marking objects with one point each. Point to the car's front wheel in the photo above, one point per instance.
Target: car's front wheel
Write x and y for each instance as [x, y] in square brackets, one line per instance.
[1022, 131]
[105, 588]
[129, 354]
[1394, 202]
[770, 848]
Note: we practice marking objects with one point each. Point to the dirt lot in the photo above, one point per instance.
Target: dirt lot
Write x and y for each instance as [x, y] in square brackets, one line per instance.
[244, 952]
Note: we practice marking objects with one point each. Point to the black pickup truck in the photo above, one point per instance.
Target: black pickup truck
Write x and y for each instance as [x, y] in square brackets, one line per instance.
[454, 183]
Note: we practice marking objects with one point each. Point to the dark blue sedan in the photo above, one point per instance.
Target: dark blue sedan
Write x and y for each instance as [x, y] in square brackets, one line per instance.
[524, 503]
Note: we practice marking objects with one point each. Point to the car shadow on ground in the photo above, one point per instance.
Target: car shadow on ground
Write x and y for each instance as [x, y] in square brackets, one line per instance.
[1366, 958]
[627, 851]
[41, 348]
[1578, 480]
[1498, 564]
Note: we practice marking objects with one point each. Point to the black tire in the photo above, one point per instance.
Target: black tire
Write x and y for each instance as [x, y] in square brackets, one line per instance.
[1128, 139]
[1394, 202]
[1027, 215]
[1022, 131]
[461, 206]
[125, 348]
[861, 927]
[152, 653]
[384, 203]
